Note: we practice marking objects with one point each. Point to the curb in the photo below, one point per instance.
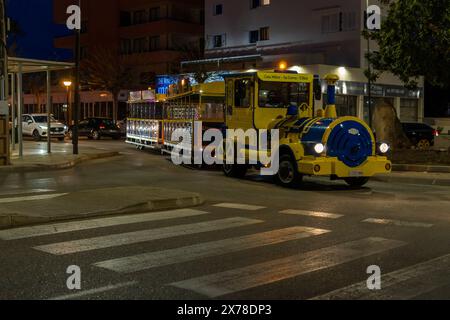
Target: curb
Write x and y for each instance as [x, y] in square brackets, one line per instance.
[13, 221]
[58, 166]
[421, 168]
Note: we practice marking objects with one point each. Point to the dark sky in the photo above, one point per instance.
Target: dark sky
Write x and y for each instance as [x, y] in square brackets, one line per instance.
[35, 18]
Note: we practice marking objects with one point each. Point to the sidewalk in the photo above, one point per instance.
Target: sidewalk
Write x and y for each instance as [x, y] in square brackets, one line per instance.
[91, 203]
[36, 157]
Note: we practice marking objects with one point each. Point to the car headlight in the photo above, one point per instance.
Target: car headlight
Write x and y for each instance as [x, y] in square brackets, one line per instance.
[384, 148]
[319, 148]
[43, 128]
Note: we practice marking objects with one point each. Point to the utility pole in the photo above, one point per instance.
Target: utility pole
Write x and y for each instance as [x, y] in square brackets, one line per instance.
[76, 107]
[369, 78]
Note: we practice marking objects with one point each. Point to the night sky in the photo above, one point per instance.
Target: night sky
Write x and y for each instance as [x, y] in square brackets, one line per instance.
[35, 18]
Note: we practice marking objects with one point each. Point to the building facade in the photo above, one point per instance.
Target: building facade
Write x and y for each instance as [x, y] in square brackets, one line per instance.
[150, 33]
[317, 37]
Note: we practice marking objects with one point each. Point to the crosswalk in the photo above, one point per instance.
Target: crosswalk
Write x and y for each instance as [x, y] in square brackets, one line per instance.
[248, 233]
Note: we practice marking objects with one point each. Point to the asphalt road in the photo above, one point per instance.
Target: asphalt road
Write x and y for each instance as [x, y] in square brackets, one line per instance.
[251, 240]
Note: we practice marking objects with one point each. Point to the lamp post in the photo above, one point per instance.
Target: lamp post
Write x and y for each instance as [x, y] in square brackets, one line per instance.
[68, 84]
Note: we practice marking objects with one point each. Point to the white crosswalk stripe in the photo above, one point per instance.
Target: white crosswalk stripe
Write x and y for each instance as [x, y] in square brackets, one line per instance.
[316, 214]
[236, 280]
[32, 198]
[398, 223]
[51, 229]
[239, 206]
[116, 240]
[24, 191]
[404, 284]
[209, 249]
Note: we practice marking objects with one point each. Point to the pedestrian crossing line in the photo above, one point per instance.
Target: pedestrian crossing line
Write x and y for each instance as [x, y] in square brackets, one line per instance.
[315, 214]
[239, 206]
[398, 223]
[403, 284]
[57, 228]
[90, 292]
[115, 240]
[25, 191]
[253, 276]
[32, 198]
[210, 249]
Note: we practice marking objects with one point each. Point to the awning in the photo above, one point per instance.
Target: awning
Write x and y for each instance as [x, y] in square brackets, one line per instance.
[222, 60]
[33, 66]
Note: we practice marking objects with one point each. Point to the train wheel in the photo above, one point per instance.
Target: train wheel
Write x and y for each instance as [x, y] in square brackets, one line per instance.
[356, 182]
[235, 170]
[288, 175]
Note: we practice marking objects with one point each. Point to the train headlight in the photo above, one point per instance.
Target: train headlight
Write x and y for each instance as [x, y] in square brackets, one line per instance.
[384, 148]
[319, 148]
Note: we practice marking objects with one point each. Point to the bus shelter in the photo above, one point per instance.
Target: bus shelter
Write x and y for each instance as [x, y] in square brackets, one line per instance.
[17, 67]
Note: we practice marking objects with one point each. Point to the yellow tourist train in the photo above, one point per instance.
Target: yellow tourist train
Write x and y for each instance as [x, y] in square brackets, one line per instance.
[312, 141]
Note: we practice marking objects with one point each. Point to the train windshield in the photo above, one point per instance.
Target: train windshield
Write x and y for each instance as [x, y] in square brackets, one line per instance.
[283, 94]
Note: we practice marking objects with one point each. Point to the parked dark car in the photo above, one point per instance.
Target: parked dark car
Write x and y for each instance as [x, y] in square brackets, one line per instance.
[96, 128]
[421, 135]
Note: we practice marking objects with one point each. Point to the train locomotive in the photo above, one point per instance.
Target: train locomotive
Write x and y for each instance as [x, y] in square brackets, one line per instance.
[312, 142]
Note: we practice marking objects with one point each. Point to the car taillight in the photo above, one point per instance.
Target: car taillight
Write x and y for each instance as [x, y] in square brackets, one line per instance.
[102, 127]
[435, 133]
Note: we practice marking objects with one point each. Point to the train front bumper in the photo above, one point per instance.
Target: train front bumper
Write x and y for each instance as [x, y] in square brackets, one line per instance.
[334, 167]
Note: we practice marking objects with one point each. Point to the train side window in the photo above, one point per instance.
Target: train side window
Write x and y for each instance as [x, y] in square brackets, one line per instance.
[242, 90]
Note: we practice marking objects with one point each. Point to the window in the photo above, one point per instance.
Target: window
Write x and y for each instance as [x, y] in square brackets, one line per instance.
[345, 105]
[254, 36]
[330, 23]
[264, 34]
[154, 14]
[242, 91]
[219, 41]
[218, 9]
[154, 43]
[125, 46]
[282, 94]
[348, 21]
[139, 45]
[140, 17]
[125, 19]
[258, 3]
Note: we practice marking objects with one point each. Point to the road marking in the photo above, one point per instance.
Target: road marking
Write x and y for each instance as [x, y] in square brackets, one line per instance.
[210, 249]
[403, 284]
[236, 280]
[316, 214]
[32, 198]
[95, 291]
[57, 228]
[25, 191]
[239, 206]
[122, 239]
[398, 223]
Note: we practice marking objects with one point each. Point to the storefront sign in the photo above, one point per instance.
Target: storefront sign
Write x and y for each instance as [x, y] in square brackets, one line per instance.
[378, 90]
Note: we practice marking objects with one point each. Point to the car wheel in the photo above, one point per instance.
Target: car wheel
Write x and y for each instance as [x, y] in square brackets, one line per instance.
[95, 135]
[235, 170]
[36, 135]
[288, 175]
[357, 182]
[424, 144]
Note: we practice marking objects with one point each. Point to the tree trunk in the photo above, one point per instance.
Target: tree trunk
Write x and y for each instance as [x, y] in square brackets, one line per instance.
[388, 127]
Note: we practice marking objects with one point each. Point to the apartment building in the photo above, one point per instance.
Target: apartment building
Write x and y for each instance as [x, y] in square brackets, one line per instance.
[319, 37]
[152, 32]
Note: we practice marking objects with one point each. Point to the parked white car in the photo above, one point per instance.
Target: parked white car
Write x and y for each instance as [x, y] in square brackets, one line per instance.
[36, 126]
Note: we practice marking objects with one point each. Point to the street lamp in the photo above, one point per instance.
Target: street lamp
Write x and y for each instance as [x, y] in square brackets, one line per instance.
[68, 84]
